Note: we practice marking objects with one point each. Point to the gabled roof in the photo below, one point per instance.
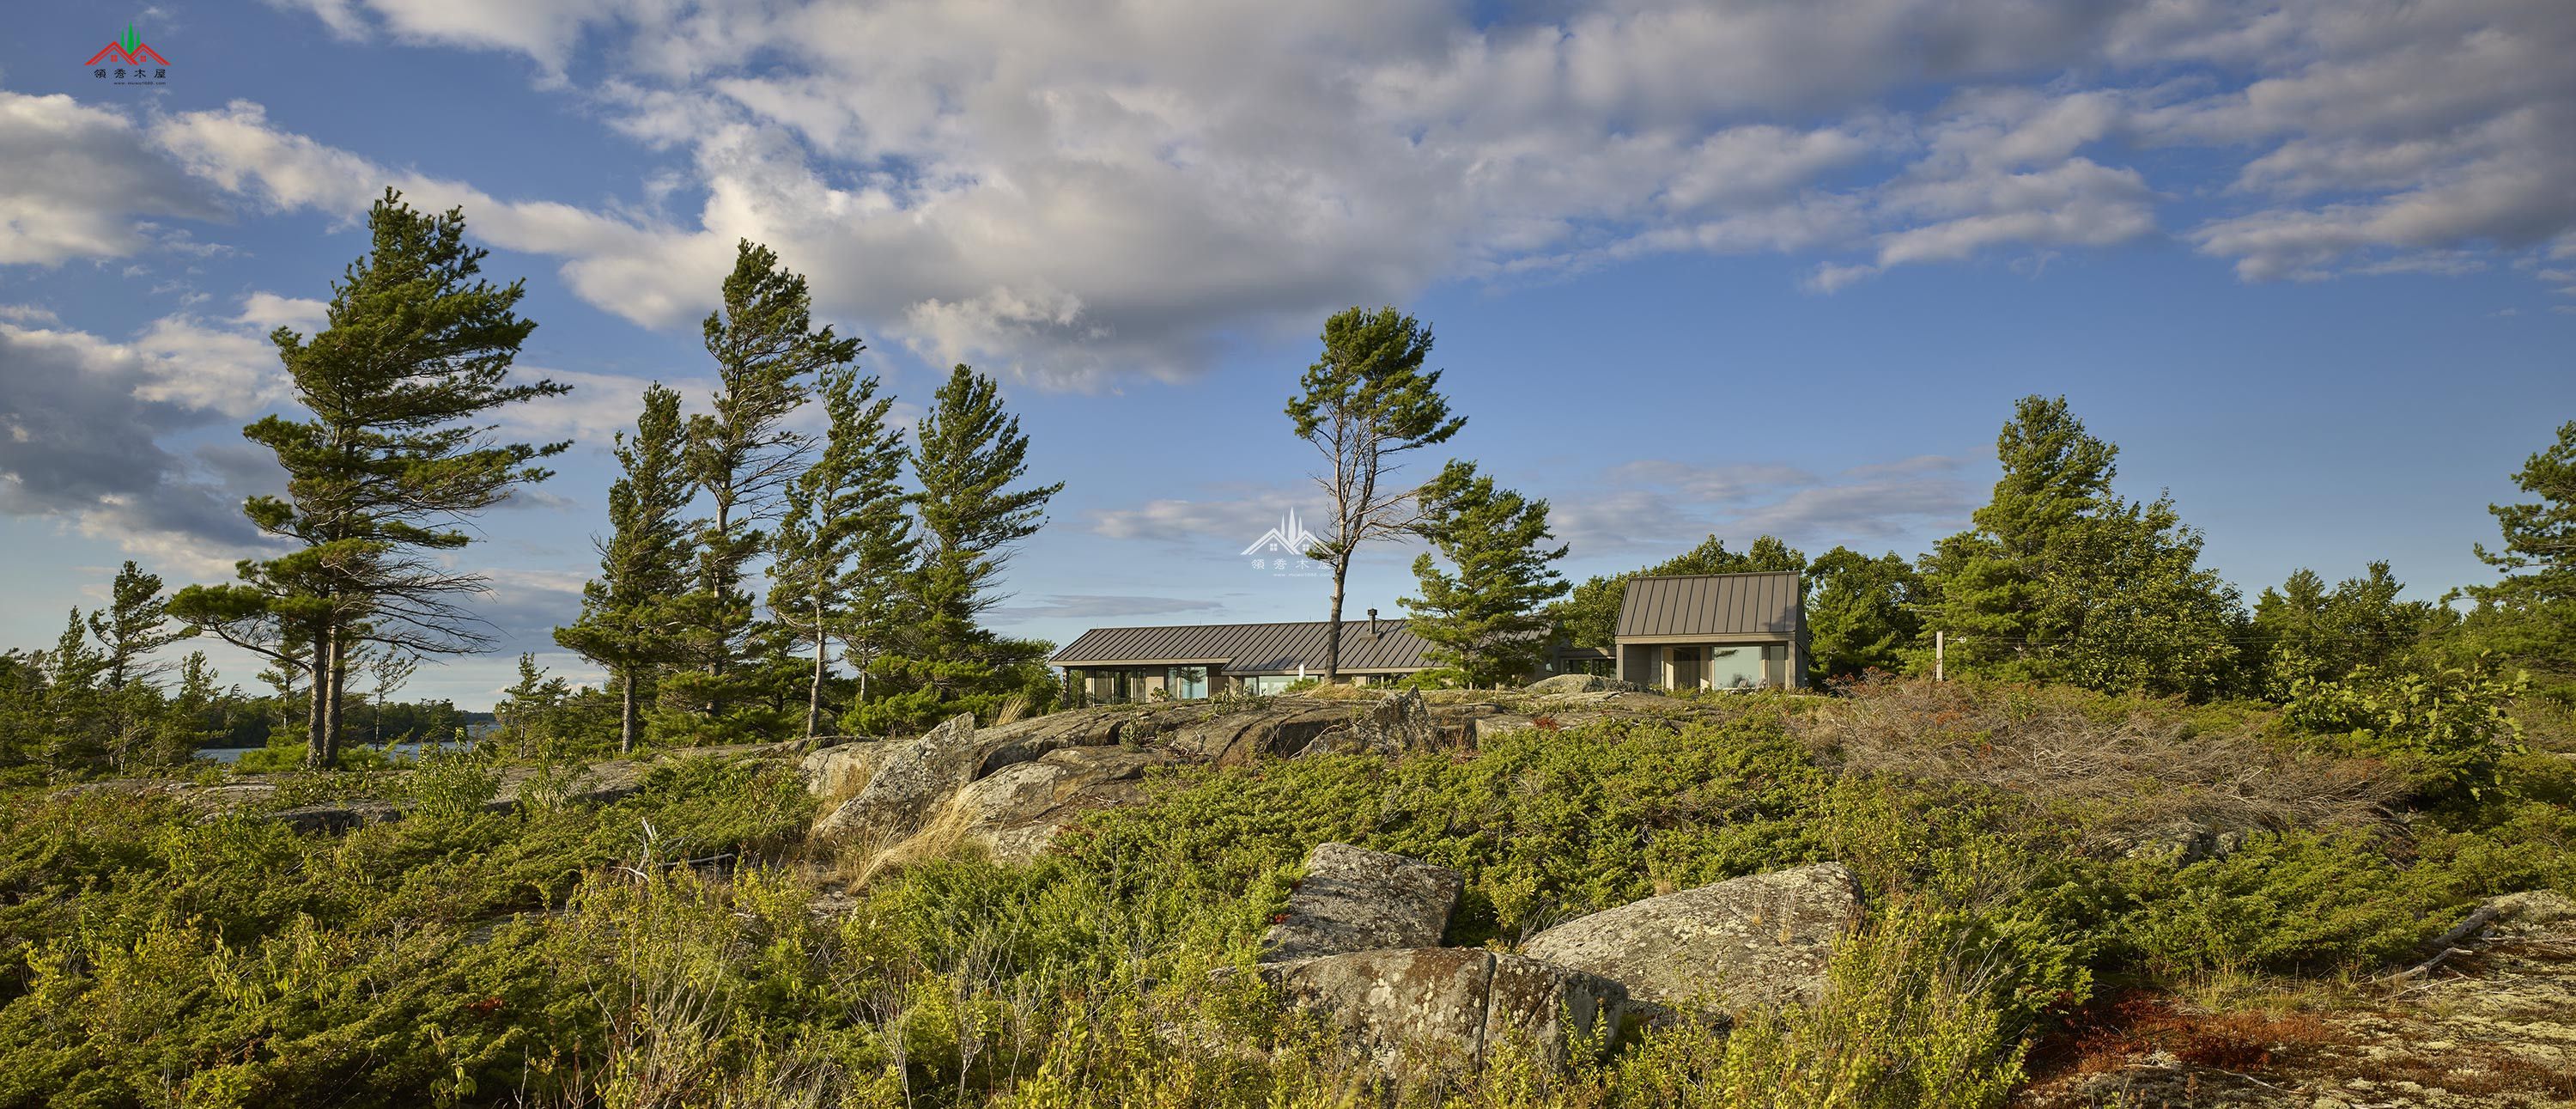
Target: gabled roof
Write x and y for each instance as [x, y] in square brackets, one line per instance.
[1761, 604]
[1249, 648]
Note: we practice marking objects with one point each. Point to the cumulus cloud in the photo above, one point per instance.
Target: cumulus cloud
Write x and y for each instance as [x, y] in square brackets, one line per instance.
[78, 178]
[1089, 606]
[2395, 134]
[266, 312]
[1237, 515]
[84, 425]
[1667, 505]
[1079, 193]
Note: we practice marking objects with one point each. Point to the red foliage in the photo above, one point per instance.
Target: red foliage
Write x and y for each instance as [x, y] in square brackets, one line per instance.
[2107, 1034]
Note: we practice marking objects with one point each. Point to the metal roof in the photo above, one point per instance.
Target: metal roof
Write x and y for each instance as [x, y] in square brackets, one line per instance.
[1763, 604]
[1249, 648]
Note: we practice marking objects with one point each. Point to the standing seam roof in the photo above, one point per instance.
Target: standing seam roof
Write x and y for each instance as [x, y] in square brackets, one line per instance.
[1244, 648]
[1710, 604]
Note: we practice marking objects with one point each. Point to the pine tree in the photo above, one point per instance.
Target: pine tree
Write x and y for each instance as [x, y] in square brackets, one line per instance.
[75, 725]
[2303, 630]
[1363, 405]
[389, 670]
[1862, 614]
[530, 711]
[968, 455]
[742, 455]
[2062, 580]
[186, 721]
[845, 545]
[393, 460]
[133, 625]
[630, 617]
[2529, 615]
[1485, 620]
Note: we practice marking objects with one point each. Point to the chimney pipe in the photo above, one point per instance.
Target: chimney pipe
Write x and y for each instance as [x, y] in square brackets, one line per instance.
[1372, 621]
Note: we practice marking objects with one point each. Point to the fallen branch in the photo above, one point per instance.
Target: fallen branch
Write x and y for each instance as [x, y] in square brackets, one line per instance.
[2448, 943]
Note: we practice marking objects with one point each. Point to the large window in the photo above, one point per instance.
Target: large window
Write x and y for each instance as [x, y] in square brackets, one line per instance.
[1186, 683]
[1735, 667]
[1748, 666]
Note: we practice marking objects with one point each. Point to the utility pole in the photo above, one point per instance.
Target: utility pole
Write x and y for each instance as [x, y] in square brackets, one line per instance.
[1936, 655]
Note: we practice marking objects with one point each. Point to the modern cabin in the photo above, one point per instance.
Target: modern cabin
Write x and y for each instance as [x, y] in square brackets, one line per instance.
[1713, 631]
[1709, 631]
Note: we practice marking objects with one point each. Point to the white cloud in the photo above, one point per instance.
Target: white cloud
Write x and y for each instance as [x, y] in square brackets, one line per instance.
[76, 180]
[1239, 520]
[1658, 505]
[1122, 188]
[1086, 606]
[599, 406]
[265, 312]
[84, 424]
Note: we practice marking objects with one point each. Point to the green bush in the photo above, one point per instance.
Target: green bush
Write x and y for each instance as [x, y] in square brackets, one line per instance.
[2449, 730]
[667, 949]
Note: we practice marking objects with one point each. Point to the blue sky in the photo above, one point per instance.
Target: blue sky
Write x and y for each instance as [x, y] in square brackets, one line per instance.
[1695, 268]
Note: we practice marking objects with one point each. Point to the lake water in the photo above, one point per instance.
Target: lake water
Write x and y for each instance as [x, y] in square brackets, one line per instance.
[234, 754]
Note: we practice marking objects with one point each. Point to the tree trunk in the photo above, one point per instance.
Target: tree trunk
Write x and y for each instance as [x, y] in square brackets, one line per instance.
[337, 720]
[1333, 629]
[317, 702]
[717, 589]
[626, 713]
[814, 695]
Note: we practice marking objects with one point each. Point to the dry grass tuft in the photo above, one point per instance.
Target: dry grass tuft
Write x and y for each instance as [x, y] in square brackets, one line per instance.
[2117, 766]
[1013, 708]
[859, 860]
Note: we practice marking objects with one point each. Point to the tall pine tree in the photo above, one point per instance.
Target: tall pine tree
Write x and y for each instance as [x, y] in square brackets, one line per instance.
[2529, 614]
[133, 625]
[742, 456]
[968, 460]
[1484, 620]
[845, 546]
[630, 620]
[1363, 405]
[392, 461]
[1862, 615]
[2062, 580]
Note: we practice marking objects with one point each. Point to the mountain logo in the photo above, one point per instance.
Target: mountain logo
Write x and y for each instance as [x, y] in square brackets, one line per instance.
[128, 49]
[1290, 538]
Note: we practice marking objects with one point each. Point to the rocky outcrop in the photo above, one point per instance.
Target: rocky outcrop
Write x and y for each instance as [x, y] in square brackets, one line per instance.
[336, 816]
[840, 772]
[600, 783]
[2177, 843]
[909, 778]
[1579, 683]
[1756, 940]
[1394, 726]
[1354, 899]
[1444, 1009]
[1015, 812]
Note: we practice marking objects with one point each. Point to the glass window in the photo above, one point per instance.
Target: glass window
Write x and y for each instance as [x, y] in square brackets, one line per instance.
[1186, 683]
[1735, 667]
